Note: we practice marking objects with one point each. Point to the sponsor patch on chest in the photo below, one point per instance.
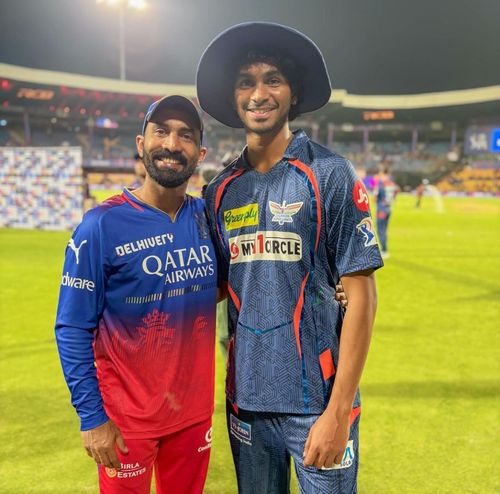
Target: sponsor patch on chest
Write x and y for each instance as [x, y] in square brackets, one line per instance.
[241, 217]
[266, 246]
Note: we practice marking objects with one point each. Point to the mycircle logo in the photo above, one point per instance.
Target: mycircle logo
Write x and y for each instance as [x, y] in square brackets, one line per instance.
[360, 196]
[235, 251]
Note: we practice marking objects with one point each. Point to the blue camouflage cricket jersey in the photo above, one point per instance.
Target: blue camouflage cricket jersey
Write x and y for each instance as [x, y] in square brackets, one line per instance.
[284, 238]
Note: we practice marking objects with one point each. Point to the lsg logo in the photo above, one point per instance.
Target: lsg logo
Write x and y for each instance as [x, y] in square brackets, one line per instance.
[478, 142]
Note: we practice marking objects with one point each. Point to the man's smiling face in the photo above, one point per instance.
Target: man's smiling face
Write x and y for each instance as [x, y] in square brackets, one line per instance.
[262, 98]
[171, 148]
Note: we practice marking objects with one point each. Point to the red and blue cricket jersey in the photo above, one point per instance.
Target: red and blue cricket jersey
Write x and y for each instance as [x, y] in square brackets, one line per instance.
[135, 323]
[284, 238]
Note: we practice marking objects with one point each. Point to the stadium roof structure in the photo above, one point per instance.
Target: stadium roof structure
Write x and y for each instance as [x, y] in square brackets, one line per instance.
[42, 92]
[371, 47]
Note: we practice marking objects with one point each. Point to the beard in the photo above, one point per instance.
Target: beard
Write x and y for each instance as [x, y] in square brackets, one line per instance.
[168, 177]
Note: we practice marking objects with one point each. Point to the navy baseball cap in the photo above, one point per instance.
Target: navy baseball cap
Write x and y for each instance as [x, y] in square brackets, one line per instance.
[174, 102]
[217, 66]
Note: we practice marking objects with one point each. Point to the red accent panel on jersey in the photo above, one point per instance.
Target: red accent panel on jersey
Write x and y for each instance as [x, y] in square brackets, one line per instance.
[326, 363]
[220, 192]
[310, 175]
[132, 203]
[297, 315]
[234, 297]
[115, 200]
[354, 414]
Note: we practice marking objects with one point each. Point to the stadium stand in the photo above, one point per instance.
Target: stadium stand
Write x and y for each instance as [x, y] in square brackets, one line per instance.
[447, 139]
[480, 178]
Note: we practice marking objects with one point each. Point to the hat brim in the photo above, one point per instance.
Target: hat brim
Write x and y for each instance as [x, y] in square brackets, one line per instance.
[217, 67]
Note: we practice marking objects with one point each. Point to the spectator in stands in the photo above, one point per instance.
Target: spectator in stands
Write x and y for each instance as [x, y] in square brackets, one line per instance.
[229, 157]
[139, 171]
[89, 201]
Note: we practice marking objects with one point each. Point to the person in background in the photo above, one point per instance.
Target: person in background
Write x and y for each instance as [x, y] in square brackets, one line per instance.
[420, 191]
[385, 192]
[139, 172]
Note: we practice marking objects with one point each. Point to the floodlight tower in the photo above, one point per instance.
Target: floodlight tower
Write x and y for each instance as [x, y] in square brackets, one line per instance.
[122, 6]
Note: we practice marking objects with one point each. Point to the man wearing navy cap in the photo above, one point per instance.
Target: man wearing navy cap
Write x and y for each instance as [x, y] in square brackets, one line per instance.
[290, 219]
[135, 324]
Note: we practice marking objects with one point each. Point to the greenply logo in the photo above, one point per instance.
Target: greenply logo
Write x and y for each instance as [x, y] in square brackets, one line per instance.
[241, 217]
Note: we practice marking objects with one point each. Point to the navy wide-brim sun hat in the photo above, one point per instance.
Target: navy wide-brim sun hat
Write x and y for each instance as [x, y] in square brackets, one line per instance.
[216, 68]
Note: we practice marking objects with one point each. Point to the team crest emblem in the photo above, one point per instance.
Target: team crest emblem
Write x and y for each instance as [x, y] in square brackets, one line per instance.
[365, 227]
[283, 213]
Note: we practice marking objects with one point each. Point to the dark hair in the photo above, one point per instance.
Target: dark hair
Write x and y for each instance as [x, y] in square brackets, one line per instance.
[285, 64]
[137, 157]
[383, 168]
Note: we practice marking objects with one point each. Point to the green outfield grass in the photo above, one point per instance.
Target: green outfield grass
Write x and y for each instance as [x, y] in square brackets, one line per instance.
[430, 390]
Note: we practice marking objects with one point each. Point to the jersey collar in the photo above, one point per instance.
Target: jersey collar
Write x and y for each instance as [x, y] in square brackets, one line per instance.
[293, 150]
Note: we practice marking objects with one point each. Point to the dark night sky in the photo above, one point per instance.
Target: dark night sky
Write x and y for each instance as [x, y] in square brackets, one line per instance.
[371, 46]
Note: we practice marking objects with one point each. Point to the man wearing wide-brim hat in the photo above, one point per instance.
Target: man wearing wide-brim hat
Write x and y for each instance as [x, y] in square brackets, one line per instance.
[291, 219]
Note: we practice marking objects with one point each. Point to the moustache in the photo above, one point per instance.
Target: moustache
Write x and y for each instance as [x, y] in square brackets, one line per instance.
[165, 154]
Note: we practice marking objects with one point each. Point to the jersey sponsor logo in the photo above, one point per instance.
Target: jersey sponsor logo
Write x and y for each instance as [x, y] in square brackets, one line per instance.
[240, 430]
[283, 212]
[180, 264]
[360, 196]
[127, 471]
[208, 435]
[144, 243]
[241, 217]
[208, 439]
[75, 249]
[347, 459]
[365, 227]
[111, 472]
[75, 282]
[266, 246]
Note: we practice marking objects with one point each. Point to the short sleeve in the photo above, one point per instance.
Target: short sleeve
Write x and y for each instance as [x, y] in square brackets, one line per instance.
[351, 239]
